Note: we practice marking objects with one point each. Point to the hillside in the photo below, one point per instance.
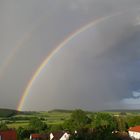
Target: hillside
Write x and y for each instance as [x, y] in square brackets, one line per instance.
[8, 112]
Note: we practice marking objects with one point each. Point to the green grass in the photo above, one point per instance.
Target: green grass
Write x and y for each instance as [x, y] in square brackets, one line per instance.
[16, 125]
[51, 118]
[54, 117]
[7, 112]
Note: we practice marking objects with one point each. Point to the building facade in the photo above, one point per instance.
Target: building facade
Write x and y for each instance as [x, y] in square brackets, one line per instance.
[8, 135]
[134, 132]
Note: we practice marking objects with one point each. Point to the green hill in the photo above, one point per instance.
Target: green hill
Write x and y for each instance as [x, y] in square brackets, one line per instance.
[60, 110]
[8, 112]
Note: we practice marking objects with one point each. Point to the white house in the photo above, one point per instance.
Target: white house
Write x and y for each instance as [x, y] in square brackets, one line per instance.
[134, 132]
[59, 136]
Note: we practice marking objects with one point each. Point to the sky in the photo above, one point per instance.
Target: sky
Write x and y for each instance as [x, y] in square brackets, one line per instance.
[97, 69]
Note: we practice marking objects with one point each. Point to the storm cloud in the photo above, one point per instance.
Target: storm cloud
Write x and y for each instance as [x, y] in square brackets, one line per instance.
[98, 69]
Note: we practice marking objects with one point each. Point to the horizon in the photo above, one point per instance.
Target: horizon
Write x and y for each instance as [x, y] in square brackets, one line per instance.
[70, 54]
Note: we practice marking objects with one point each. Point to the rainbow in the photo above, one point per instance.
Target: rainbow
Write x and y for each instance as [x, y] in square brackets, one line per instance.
[20, 43]
[53, 52]
[11, 55]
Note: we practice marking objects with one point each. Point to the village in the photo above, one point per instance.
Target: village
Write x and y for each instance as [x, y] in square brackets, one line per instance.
[78, 125]
[133, 134]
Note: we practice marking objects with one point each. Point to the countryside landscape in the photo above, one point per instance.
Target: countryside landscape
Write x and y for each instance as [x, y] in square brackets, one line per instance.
[69, 69]
[81, 125]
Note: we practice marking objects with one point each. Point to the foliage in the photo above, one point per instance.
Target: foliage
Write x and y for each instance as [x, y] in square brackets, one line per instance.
[13, 118]
[103, 119]
[99, 127]
[90, 126]
[133, 121]
[37, 125]
[7, 112]
[100, 133]
[60, 110]
[122, 124]
[78, 120]
[55, 127]
[3, 126]
[24, 133]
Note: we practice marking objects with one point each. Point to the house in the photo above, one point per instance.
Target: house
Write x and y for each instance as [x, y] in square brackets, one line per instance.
[39, 137]
[8, 135]
[134, 132]
[35, 137]
[60, 135]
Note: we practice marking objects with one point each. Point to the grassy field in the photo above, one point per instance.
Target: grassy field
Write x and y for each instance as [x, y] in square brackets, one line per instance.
[22, 119]
[16, 125]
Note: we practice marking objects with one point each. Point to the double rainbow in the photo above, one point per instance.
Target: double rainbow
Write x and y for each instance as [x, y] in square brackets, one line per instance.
[53, 52]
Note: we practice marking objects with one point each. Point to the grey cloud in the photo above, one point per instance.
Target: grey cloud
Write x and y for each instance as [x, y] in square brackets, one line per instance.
[98, 66]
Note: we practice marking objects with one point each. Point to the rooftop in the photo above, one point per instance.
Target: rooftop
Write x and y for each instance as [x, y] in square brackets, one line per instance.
[135, 129]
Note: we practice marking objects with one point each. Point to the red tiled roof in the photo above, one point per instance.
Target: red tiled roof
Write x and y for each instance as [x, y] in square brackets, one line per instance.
[36, 135]
[135, 129]
[8, 135]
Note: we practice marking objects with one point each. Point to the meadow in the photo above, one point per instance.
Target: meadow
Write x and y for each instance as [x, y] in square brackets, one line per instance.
[15, 119]
[21, 119]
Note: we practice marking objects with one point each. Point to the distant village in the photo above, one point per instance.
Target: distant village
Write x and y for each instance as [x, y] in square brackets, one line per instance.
[80, 125]
[133, 134]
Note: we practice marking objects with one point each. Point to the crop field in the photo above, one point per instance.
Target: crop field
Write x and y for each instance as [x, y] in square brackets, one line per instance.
[53, 117]
[22, 120]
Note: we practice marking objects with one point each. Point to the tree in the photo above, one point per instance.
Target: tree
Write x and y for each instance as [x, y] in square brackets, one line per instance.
[121, 123]
[103, 124]
[99, 127]
[24, 133]
[78, 120]
[103, 119]
[56, 127]
[37, 125]
[3, 126]
[133, 121]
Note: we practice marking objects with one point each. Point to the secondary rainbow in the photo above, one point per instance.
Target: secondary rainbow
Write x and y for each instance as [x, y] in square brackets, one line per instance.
[20, 43]
[12, 54]
[53, 52]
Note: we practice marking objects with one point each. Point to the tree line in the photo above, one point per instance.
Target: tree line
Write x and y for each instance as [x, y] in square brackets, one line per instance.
[82, 125]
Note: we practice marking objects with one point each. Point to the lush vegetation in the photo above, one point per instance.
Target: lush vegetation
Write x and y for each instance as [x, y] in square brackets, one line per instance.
[8, 112]
[88, 125]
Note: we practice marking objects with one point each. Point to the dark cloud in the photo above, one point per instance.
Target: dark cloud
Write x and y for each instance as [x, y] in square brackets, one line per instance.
[98, 69]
